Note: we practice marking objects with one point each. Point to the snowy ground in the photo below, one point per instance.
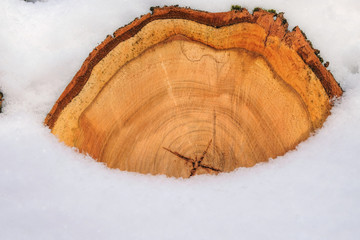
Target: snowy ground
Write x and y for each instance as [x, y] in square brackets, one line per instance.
[48, 191]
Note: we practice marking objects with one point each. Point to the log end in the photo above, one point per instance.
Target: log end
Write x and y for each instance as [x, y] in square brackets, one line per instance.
[182, 92]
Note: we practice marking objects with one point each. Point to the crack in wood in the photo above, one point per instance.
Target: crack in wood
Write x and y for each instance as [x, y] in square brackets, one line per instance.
[179, 155]
[211, 168]
[195, 162]
[266, 38]
[205, 152]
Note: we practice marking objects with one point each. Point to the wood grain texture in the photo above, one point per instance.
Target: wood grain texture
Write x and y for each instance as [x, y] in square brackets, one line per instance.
[183, 92]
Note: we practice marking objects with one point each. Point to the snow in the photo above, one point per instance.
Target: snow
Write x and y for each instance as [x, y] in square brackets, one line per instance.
[49, 191]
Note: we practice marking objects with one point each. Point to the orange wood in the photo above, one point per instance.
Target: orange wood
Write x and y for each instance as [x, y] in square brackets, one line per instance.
[182, 92]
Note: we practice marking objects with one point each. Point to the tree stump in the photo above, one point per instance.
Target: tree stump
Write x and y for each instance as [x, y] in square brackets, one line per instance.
[183, 92]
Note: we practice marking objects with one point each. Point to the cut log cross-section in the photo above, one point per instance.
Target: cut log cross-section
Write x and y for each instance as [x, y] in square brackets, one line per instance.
[183, 92]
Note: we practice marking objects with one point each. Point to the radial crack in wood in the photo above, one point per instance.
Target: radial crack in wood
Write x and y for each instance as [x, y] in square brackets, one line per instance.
[183, 92]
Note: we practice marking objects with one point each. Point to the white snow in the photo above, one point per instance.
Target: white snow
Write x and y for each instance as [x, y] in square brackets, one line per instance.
[48, 191]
